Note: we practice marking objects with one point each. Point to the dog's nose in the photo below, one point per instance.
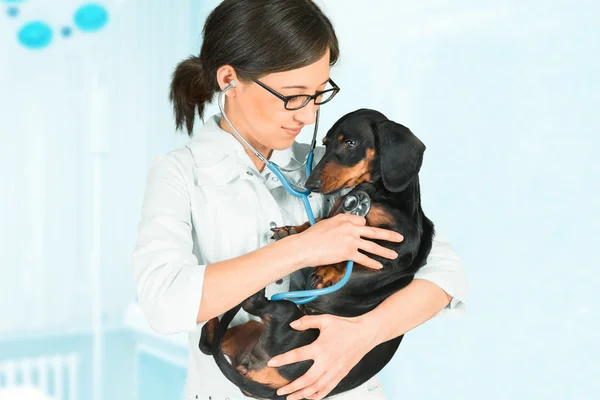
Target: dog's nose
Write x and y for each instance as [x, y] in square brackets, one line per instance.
[313, 185]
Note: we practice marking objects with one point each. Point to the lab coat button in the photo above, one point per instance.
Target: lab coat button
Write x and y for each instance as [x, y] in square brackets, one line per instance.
[273, 225]
[249, 173]
[274, 179]
[279, 281]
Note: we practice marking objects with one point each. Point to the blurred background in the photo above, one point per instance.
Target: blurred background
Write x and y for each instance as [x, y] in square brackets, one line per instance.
[506, 96]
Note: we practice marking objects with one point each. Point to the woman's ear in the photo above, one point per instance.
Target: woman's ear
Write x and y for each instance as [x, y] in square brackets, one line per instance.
[225, 75]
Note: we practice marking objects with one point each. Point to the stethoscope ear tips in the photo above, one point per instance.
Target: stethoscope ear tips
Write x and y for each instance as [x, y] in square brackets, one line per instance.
[230, 86]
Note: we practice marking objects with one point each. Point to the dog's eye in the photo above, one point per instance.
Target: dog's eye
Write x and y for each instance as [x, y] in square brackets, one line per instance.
[349, 144]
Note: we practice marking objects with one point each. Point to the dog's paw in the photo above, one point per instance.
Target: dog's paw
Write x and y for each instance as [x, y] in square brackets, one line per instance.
[285, 231]
[327, 275]
[281, 232]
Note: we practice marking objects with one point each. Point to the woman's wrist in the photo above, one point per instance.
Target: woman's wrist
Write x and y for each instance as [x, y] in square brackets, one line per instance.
[291, 250]
[372, 323]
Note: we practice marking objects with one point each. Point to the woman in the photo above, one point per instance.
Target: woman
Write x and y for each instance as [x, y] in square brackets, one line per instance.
[204, 237]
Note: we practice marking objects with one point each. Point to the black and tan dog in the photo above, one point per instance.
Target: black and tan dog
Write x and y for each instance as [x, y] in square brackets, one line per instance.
[366, 151]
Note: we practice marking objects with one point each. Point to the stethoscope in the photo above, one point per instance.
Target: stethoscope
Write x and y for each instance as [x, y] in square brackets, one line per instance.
[357, 203]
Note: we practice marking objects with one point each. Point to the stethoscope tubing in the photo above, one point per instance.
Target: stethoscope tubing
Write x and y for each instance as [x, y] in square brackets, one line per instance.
[301, 296]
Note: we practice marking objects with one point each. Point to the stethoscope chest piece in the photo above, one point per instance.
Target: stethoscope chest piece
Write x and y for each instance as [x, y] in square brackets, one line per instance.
[357, 203]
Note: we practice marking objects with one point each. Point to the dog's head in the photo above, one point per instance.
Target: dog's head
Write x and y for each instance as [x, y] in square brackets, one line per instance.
[364, 146]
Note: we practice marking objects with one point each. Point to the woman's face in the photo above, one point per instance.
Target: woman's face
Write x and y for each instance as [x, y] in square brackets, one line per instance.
[261, 116]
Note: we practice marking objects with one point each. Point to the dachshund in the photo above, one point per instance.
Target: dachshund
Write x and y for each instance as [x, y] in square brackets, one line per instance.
[363, 151]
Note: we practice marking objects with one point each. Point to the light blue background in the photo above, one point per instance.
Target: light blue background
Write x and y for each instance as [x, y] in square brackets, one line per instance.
[506, 96]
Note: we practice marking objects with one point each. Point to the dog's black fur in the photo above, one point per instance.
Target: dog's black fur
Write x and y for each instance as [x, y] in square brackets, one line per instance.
[366, 151]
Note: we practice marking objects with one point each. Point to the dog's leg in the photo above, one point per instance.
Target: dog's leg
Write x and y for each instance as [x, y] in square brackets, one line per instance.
[276, 337]
[206, 338]
[281, 232]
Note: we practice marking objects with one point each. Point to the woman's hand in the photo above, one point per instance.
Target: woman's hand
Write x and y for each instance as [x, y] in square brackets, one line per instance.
[341, 344]
[338, 239]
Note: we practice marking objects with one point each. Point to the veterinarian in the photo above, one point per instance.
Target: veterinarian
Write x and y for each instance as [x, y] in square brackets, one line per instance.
[204, 241]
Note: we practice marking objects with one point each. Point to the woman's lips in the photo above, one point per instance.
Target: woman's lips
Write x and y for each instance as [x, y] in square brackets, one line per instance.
[292, 131]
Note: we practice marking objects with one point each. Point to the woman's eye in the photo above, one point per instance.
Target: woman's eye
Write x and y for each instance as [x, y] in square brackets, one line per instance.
[349, 144]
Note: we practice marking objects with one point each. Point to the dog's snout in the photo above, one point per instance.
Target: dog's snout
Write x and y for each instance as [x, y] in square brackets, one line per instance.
[314, 185]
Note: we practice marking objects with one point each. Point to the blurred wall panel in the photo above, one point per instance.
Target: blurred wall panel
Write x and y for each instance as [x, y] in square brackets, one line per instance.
[94, 95]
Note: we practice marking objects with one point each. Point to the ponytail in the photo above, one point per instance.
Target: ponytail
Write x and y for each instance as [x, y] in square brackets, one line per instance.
[191, 88]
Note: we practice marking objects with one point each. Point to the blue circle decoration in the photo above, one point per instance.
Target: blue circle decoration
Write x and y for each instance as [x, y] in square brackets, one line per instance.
[90, 17]
[66, 31]
[35, 35]
[12, 11]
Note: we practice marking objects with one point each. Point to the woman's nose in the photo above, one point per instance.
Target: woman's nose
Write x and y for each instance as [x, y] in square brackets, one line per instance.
[307, 114]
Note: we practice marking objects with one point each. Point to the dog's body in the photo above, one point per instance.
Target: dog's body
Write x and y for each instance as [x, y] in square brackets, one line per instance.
[366, 151]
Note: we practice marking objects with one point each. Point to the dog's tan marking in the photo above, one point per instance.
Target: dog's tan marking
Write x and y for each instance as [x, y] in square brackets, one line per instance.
[328, 275]
[241, 338]
[340, 137]
[335, 176]
[268, 376]
[378, 216]
[211, 326]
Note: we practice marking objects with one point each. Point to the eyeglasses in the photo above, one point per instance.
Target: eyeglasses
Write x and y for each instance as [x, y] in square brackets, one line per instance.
[298, 101]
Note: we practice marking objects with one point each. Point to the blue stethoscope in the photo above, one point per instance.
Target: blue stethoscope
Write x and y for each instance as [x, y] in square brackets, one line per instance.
[357, 203]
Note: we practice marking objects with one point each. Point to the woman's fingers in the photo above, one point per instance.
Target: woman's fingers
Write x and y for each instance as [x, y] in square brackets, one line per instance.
[376, 249]
[347, 234]
[372, 232]
[366, 261]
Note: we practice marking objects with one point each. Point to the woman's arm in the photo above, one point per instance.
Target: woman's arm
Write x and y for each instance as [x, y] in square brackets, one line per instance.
[175, 292]
[406, 309]
[440, 285]
[267, 264]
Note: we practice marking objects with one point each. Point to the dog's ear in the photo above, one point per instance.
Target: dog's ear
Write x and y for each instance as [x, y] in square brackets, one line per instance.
[400, 155]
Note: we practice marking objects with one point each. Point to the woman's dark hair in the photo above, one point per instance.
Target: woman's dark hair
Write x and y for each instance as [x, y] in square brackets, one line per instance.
[255, 37]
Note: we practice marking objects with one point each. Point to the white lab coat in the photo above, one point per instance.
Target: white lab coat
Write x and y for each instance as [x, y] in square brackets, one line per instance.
[205, 202]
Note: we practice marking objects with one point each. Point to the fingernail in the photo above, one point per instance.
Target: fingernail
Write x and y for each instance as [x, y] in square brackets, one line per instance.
[393, 254]
[400, 237]
[379, 265]
[295, 324]
[272, 363]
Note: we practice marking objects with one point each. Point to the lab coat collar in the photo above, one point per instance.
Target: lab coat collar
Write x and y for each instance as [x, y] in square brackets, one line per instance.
[219, 156]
